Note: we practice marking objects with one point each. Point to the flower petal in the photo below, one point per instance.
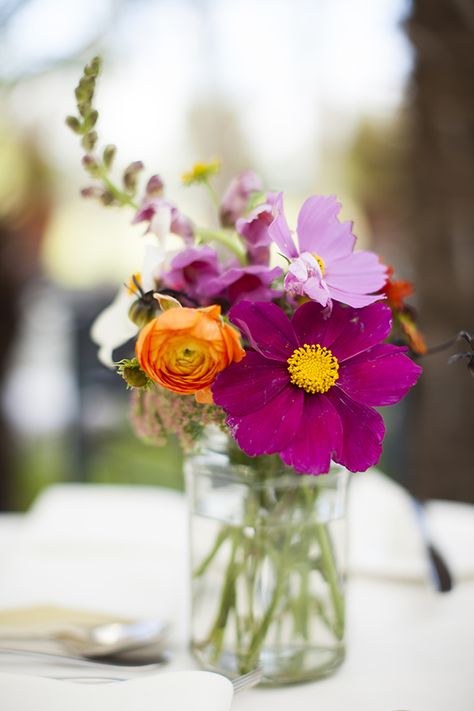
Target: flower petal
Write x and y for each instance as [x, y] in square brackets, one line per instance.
[357, 301]
[271, 428]
[320, 231]
[280, 232]
[380, 376]
[313, 326]
[359, 273]
[113, 327]
[363, 328]
[266, 327]
[153, 259]
[317, 439]
[251, 283]
[363, 431]
[249, 385]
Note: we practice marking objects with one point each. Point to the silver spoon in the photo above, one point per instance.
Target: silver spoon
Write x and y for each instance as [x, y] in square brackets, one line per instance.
[101, 640]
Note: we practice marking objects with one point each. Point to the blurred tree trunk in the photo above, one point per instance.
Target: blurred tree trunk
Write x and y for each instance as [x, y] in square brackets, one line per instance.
[441, 177]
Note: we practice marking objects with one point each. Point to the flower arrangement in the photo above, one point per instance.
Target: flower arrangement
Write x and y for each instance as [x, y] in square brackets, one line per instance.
[288, 344]
[315, 362]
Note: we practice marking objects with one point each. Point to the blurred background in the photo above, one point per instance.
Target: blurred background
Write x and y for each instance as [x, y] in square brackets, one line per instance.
[371, 100]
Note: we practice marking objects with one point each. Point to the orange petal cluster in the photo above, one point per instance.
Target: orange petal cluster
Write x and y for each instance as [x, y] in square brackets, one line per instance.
[184, 349]
[396, 291]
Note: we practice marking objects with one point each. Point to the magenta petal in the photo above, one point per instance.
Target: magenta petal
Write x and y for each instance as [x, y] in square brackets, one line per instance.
[363, 329]
[359, 273]
[363, 432]
[380, 376]
[271, 428]
[318, 438]
[266, 327]
[280, 232]
[320, 231]
[249, 385]
[313, 327]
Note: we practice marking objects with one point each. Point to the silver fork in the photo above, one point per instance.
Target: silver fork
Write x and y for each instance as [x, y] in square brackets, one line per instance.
[246, 681]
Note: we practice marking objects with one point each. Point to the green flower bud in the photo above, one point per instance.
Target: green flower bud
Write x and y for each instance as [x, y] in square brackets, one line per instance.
[73, 123]
[91, 119]
[93, 192]
[133, 375]
[89, 140]
[107, 198]
[130, 175]
[91, 165]
[109, 155]
[143, 310]
[93, 68]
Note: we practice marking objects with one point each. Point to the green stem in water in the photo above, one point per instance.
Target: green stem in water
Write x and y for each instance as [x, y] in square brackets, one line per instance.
[261, 631]
[221, 538]
[330, 573]
[227, 602]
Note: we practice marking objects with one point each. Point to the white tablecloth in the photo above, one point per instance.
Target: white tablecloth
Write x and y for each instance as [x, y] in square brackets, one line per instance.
[122, 550]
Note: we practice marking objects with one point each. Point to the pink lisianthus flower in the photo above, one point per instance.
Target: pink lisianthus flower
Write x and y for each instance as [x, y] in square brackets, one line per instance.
[325, 267]
[164, 217]
[235, 200]
[197, 273]
[254, 230]
[307, 388]
[191, 271]
[252, 283]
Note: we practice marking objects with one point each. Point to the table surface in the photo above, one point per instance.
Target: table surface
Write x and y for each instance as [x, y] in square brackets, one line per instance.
[122, 551]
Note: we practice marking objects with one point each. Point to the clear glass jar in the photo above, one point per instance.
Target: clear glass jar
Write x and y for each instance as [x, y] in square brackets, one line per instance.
[267, 565]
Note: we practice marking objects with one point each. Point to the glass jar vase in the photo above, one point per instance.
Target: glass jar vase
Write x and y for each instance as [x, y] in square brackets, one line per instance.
[267, 565]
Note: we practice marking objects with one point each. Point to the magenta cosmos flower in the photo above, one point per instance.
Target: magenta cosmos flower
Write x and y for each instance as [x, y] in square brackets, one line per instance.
[325, 266]
[307, 388]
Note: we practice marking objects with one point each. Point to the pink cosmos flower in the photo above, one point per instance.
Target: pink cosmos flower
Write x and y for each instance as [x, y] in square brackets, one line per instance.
[307, 388]
[325, 268]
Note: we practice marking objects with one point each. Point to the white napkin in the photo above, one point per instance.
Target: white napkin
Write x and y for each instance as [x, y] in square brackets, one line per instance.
[386, 537]
[173, 691]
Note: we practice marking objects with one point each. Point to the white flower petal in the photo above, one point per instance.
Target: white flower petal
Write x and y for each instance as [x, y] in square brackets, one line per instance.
[112, 327]
[153, 260]
[160, 223]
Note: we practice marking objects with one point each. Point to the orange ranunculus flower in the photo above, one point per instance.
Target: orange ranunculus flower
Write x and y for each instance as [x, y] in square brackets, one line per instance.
[183, 349]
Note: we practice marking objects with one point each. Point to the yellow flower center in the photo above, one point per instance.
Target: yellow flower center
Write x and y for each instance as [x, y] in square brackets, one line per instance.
[186, 356]
[320, 261]
[313, 368]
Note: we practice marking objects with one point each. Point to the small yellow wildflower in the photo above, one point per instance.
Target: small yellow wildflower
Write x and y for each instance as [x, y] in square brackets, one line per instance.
[201, 172]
